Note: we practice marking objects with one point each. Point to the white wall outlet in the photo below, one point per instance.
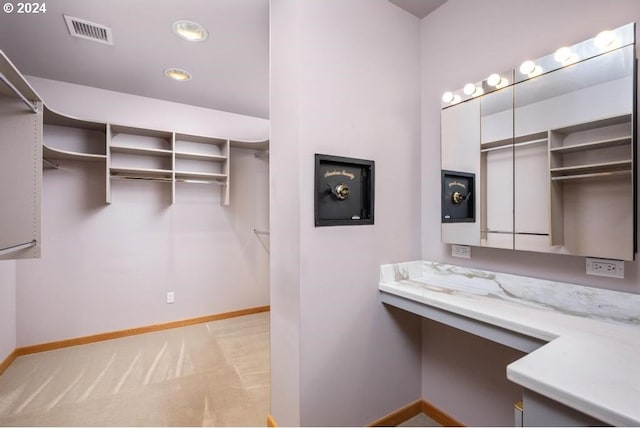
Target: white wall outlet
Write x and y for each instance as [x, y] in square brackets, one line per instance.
[462, 251]
[171, 297]
[605, 267]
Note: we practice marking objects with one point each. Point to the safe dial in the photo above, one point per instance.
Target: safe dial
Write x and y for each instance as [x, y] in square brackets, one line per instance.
[341, 191]
[457, 198]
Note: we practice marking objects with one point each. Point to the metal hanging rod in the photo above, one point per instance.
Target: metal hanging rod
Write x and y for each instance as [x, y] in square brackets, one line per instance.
[15, 90]
[17, 247]
[261, 232]
[261, 153]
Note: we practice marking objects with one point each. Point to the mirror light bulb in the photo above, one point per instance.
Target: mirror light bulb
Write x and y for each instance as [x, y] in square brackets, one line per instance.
[447, 97]
[493, 80]
[469, 89]
[604, 39]
[503, 83]
[456, 99]
[527, 67]
[479, 91]
[537, 71]
[563, 54]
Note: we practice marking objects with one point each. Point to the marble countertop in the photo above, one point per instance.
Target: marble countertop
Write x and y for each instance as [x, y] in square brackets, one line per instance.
[592, 360]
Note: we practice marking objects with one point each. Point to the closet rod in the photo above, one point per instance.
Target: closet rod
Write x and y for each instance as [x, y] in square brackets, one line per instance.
[260, 232]
[18, 93]
[17, 247]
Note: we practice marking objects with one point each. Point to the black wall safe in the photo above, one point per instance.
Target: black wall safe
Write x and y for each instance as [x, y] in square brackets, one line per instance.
[344, 190]
[458, 203]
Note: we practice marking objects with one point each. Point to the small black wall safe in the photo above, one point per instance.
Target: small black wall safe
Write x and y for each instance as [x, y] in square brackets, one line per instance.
[344, 190]
[458, 202]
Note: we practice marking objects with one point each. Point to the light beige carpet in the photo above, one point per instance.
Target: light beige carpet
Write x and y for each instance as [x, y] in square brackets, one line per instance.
[213, 374]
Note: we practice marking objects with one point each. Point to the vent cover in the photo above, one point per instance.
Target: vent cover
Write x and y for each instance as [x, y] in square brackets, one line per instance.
[87, 30]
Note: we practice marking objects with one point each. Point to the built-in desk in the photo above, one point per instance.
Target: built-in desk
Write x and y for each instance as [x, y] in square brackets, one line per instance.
[583, 343]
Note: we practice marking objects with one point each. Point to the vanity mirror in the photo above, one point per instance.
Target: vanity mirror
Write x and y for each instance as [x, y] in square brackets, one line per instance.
[551, 144]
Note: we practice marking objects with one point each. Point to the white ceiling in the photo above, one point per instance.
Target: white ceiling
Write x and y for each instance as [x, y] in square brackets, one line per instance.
[230, 69]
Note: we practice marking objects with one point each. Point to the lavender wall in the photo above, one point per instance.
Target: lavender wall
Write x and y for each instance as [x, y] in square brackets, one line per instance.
[466, 40]
[7, 308]
[100, 259]
[285, 46]
[345, 82]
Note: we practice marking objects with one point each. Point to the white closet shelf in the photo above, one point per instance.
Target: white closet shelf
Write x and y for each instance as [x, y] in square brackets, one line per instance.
[595, 175]
[594, 145]
[140, 151]
[145, 132]
[141, 172]
[537, 137]
[200, 156]
[52, 153]
[623, 165]
[186, 175]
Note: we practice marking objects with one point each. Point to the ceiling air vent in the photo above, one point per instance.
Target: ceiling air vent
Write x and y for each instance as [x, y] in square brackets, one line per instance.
[87, 30]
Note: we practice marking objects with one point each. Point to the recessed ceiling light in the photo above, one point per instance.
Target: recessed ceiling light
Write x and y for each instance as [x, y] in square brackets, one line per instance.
[177, 74]
[189, 30]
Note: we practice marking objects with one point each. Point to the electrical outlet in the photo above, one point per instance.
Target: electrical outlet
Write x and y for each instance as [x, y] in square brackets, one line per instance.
[605, 267]
[462, 251]
[171, 297]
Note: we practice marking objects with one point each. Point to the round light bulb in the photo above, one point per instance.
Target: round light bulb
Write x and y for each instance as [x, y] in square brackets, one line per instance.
[479, 91]
[189, 30]
[527, 67]
[469, 89]
[447, 97]
[604, 39]
[493, 80]
[537, 71]
[562, 54]
[177, 74]
[573, 58]
[503, 83]
[456, 99]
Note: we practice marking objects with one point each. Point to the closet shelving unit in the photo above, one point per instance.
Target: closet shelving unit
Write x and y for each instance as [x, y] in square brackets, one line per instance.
[200, 159]
[594, 158]
[135, 153]
[598, 149]
[69, 138]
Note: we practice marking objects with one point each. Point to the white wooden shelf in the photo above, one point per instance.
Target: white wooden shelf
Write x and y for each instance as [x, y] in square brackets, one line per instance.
[141, 173]
[140, 151]
[53, 153]
[595, 175]
[595, 167]
[201, 156]
[199, 175]
[594, 145]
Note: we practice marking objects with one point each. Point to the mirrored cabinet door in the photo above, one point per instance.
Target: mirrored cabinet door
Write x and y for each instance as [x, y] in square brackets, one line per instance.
[460, 159]
[496, 159]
